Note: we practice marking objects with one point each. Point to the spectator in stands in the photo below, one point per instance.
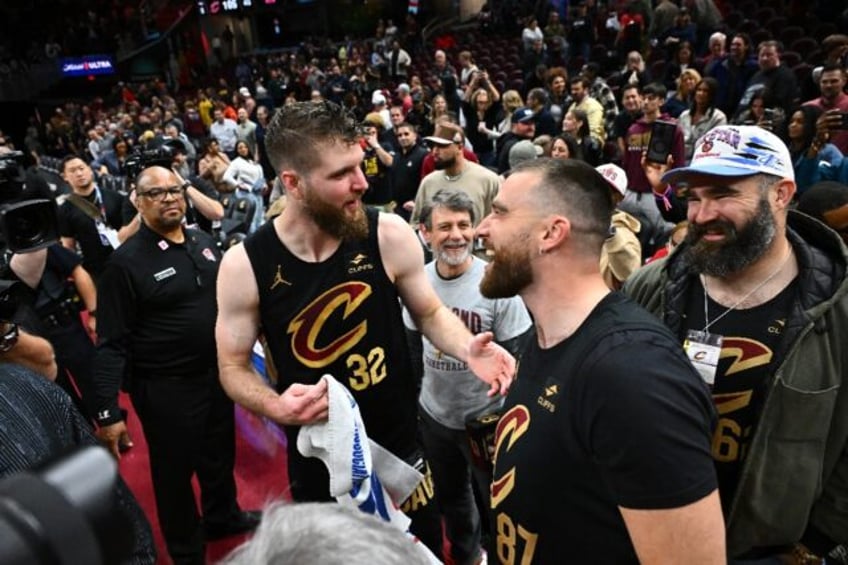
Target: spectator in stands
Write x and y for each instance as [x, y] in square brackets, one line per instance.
[775, 76]
[683, 58]
[453, 170]
[531, 34]
[406, 169]
[225, 132]
[559, 96]
[682, 30]
[246, 178]
[717, 52]
[631, 101]
[576, 124]
[441, 67]
[95, 135]
[194, 127]
[399, 62]
[591, 107]
[833, 101]
[537, 101]
[762, 112]
[683, 96]
[420, 113]
[439, 110]
[565, 146]
[523, 127]
[733, 74]
[172, 132]
[336, 84]
[213, 165]
[600, 91]
[533, 58]
[555, 31]
[112, 162]
[376, 164]
[639, 200]
[634, 71]
[246, 132]
[482, 111]
[467, 69]
[813, 157]
[701, 116]
[581, 31]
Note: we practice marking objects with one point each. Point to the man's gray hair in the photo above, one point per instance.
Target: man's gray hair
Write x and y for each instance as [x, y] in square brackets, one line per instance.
[327, 533]
[453, 200]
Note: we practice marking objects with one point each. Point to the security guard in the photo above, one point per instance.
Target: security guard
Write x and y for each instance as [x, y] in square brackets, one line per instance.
[156, 325]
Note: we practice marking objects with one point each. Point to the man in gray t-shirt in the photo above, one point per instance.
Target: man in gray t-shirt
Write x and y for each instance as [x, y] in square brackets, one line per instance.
[450, 392]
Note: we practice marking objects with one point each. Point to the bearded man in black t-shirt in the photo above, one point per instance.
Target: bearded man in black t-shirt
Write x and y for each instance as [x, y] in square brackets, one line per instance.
[603, 449]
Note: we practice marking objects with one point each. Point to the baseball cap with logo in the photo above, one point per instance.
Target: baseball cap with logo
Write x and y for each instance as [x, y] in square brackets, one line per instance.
[737, 151]
[522, 115]
[445, 134]
[615, 176]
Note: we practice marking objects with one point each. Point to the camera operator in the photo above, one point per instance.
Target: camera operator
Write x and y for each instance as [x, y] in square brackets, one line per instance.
[90, 215]
[157, 303]
[38, 423]
[203, 206]
[62, 289]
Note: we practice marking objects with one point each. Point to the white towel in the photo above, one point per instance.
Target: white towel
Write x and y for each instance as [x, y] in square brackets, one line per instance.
[361, 471]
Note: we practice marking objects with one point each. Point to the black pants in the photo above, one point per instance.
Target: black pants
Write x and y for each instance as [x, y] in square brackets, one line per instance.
[189, 427]
[74, 359]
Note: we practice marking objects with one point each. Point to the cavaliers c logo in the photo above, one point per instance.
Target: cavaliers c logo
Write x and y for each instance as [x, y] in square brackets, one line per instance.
[511, 426]
[307, 325]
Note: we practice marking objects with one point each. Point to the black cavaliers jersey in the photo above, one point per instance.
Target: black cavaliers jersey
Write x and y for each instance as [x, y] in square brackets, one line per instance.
[341, 316]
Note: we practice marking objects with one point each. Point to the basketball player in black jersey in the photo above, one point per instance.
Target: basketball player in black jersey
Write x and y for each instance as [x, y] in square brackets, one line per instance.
[322, 283]
[603, 449]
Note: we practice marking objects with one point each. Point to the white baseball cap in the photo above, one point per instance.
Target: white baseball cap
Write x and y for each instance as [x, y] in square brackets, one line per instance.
[615, 176]
[737, 151]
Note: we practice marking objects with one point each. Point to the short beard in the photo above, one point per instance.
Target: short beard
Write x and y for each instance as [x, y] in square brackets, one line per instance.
[509, 272]
[334, 221]
[741, 248]
[440, 165]
[453, 259]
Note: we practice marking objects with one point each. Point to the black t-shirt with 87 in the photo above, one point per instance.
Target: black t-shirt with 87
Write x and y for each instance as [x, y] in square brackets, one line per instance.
[614, 416]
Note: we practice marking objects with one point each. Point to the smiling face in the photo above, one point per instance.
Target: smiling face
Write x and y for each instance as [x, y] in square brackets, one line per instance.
[450, 236]
[731, 223]
[506, 233]
[331, 193]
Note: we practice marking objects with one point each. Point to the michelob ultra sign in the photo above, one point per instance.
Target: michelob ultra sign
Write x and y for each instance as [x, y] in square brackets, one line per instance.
[87, 65]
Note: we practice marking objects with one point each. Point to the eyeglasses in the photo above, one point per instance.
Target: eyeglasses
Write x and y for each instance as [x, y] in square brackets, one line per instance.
[158, 194]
